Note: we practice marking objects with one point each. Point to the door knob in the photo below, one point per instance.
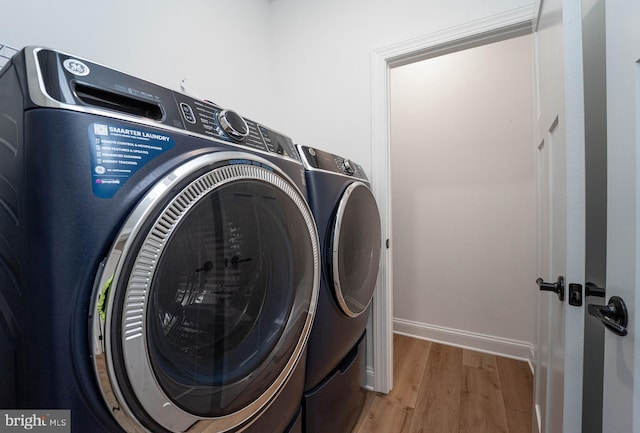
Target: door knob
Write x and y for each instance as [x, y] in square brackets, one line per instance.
[592, 289]
[614, 315]
[557, 287]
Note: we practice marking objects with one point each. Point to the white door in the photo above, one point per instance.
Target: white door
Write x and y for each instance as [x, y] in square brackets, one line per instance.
[621, 394]
[561, 167]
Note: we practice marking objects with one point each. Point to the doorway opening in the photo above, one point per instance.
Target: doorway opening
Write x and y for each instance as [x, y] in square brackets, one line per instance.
[509, 25]
[464, 198]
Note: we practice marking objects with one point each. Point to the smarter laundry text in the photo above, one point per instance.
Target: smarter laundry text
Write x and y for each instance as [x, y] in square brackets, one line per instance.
[135, 133]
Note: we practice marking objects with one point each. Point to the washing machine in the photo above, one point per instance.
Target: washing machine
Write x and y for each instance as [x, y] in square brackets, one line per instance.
[159, 263]
[349, 229]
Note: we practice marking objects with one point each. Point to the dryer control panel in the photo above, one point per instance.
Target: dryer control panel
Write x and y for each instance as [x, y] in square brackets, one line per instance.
[315, 159]
[60, 80]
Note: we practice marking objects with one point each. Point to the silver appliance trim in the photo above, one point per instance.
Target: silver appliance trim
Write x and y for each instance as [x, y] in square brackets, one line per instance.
[342, 206]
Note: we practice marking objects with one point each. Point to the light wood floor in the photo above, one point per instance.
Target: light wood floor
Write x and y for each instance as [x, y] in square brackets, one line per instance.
[444, 389]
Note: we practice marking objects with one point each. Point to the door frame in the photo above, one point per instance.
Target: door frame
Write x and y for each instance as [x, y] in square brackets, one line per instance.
[505, 25]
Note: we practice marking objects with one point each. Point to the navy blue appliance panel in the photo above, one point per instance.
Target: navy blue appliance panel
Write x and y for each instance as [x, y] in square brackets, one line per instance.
[63, 234]
[334, 333]
[66, 230]
[335, 404]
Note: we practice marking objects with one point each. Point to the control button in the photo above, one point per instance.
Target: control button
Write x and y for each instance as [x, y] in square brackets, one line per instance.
[233, 124]
[187, 112]
[312, 151]
[270, 147]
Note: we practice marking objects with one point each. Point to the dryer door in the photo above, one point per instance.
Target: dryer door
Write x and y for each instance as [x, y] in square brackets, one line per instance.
[355, 249]
[206, 298]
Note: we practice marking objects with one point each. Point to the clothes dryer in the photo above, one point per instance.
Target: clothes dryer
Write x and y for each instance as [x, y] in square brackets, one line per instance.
[159, 264]
[349, 229]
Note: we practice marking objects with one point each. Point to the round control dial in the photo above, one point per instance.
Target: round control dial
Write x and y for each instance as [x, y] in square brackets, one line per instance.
[347, 167]
[233, 124]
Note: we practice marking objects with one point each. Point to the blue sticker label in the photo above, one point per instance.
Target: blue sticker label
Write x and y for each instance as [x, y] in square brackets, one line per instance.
[117, 153]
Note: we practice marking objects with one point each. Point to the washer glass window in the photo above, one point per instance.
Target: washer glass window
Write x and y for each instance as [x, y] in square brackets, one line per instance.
[356, 249]
[222, 296]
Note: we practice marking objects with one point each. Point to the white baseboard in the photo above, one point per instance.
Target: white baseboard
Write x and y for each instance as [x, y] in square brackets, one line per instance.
[469, 340]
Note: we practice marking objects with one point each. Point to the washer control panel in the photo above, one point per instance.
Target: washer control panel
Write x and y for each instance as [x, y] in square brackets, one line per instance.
[206, 118]
[79, 84]
[316, 159]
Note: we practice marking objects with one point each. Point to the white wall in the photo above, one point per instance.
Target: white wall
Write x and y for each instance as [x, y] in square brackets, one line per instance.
[300, 66]
[322, 53]
[464, 197]
[220, 46]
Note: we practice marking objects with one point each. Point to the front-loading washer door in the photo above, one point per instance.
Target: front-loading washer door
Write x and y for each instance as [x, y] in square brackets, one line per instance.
[207, 297]
[355, 249]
